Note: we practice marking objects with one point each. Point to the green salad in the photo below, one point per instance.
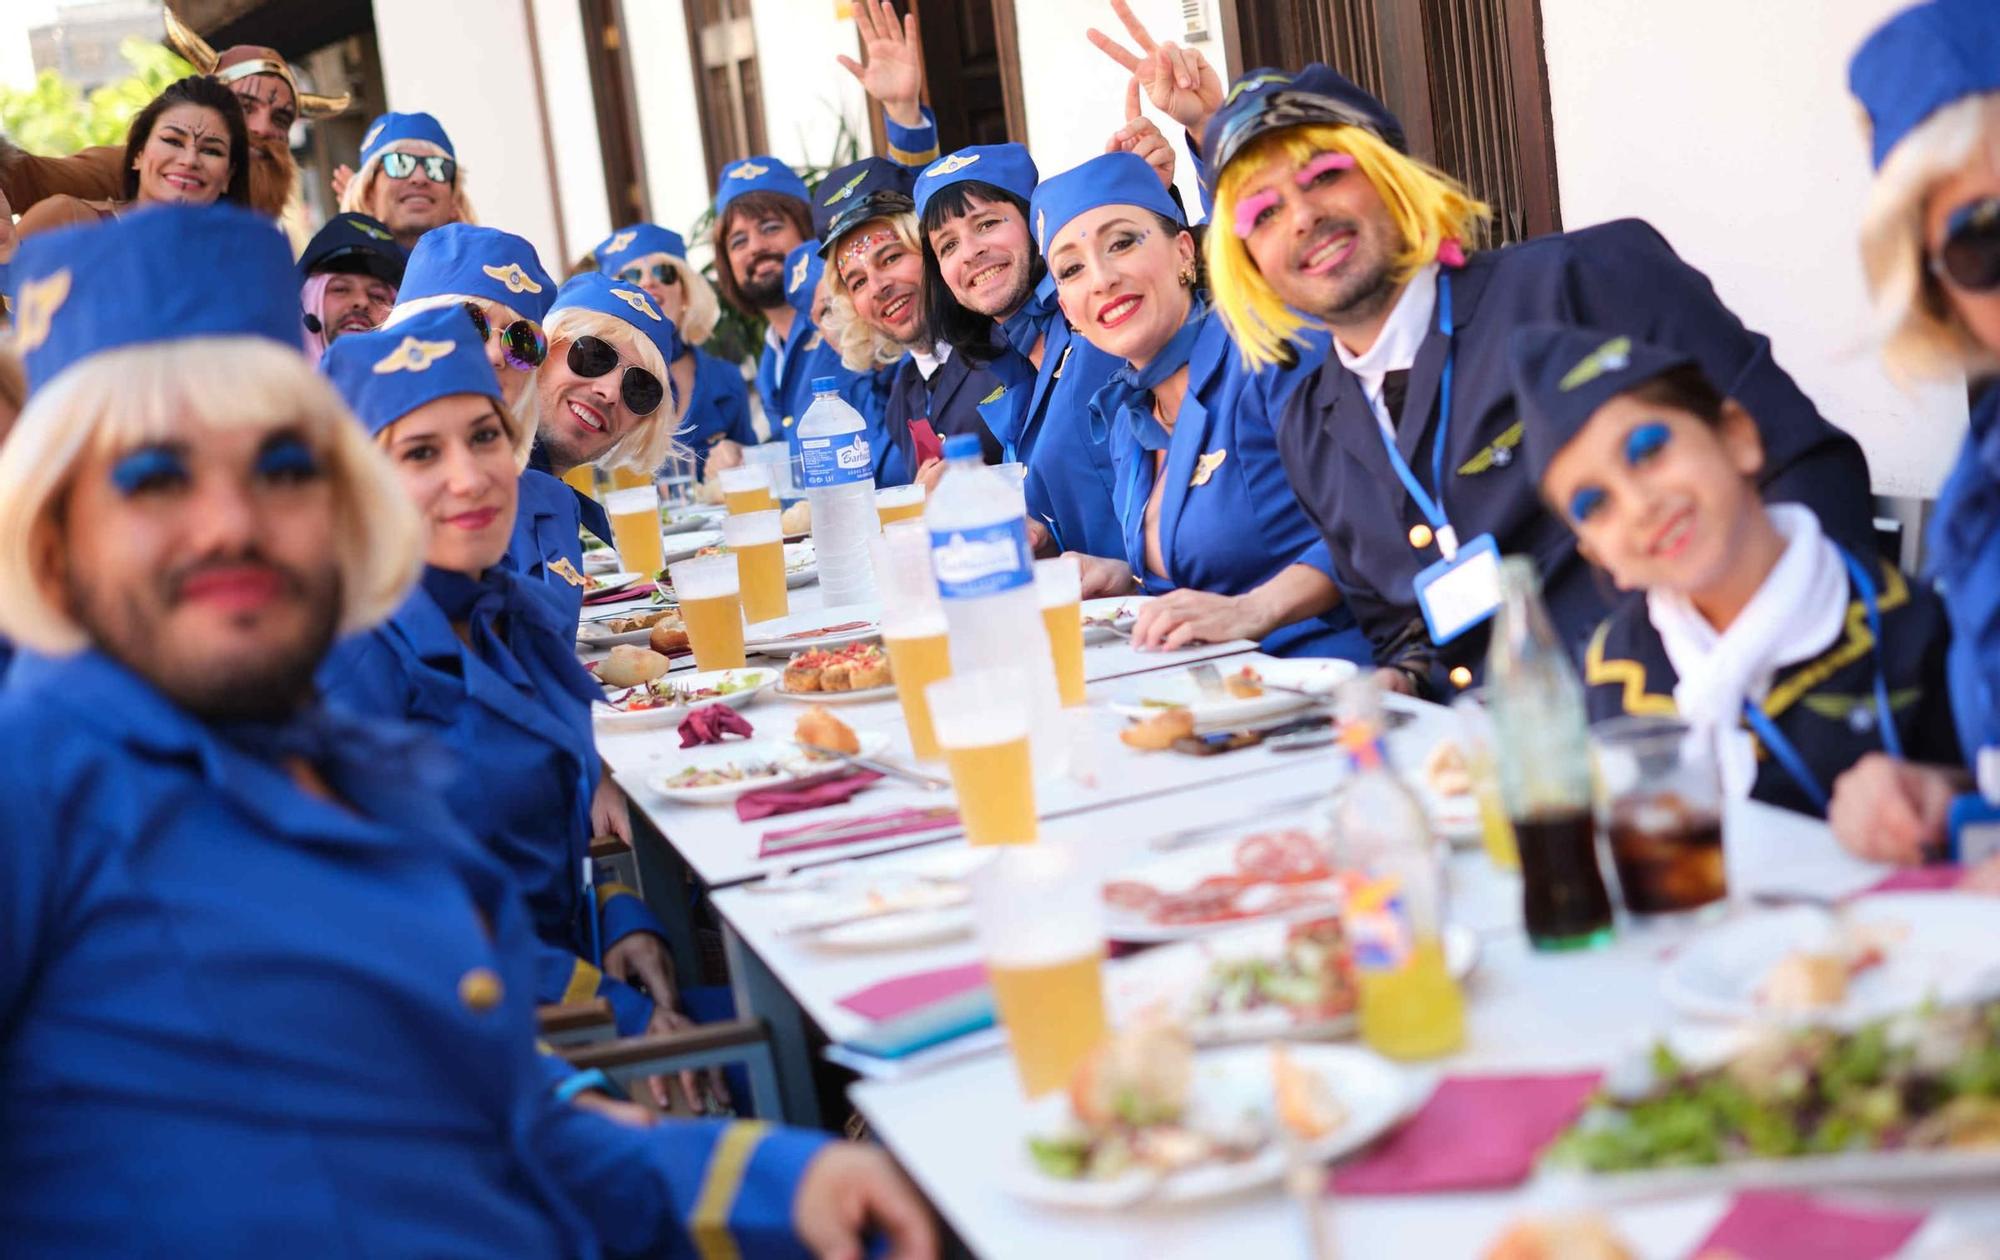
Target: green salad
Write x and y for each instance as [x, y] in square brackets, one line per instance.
[1924, 1080]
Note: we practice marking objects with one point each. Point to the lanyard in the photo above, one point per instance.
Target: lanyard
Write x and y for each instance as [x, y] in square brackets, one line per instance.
[1433, 508]
[1782, 748]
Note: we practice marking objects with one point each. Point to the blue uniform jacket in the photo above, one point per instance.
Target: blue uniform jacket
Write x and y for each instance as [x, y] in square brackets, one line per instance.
[1965, 555]
[547, 546]
[238, 1019]
[719, 409]
[526, 766]
[786, 398]
[1227, 521]
[1042, 418]
[949, 400]
[1825, 706]
[1621, 277]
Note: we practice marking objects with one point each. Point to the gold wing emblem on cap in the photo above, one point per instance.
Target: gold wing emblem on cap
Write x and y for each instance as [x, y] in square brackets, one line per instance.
[1256, 82]
[748, 170]
[562, 568]
[846, 189]
[999, 392]
[637, 301]
[36, 306]
[1858, 711]
[1612, 356]
[619, 242]
[1498, 455]
[413, 356]
[956, 162]
[369, 230]
[1205, 466]
[368, 140]
[514, 278]
[799, 271]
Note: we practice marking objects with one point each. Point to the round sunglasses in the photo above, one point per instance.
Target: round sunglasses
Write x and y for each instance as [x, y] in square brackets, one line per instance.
[661, 274]
[592, 357]
[438, 170]
[521, 342]
[1970, 256]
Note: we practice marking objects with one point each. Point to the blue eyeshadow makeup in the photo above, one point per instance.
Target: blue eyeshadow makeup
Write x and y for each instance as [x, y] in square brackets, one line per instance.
[1645, 440]
[147, 468]
[287, 456]
[1584, 502]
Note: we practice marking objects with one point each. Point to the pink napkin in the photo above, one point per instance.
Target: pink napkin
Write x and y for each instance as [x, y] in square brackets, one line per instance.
[612, 595]
[1768, 1225]
[1941, 878]
[826, 835]
[709, 723]
[904, 994]
[1475, 1133]
[811, 792]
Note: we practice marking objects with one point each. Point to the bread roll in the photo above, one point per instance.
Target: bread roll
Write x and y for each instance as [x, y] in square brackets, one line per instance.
[798, 519]
[821, 729]
[630, 665]
[669, 636]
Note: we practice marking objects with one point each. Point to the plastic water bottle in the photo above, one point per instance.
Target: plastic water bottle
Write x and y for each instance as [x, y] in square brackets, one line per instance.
[839, 481]
[985, 570]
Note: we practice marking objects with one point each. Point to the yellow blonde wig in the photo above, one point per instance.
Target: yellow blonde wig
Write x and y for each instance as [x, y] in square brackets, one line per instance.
[697, 322]
[123, 399]
[1922, 337]
[649, 445]
[1428, 207]
[360, 195]
[862, 346]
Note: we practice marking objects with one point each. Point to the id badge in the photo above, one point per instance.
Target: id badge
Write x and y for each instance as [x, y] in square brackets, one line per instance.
[1462, 592]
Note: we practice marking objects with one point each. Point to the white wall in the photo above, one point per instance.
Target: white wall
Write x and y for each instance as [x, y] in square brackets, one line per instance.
[1729, 126]
[806, 93]
[586, 208]
[1076, 95]
[669, 114]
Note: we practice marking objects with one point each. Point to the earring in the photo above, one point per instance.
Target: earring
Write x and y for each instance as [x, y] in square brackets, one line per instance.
[1187, 277]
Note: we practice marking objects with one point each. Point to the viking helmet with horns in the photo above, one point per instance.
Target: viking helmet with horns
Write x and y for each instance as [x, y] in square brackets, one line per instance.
[244, 60]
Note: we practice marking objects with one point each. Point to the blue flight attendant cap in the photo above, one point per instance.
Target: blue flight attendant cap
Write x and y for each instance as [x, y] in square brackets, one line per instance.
[595, 291]
[1268, 100]
[387, 129]
[1921, 60]
[84, 290]
[479, 262]
[803, 268]
[1110, 179]
[1005, 166]
[641, 240]
[851, 195]
[387, 374]
[352, 243]
[762, 173]
[1563, 374]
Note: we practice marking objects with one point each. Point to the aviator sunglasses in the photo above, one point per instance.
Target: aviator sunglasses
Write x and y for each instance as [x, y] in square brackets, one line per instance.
[438, 170]
[661, 273]
[521, 342]
[593, 357]
[1970, 256]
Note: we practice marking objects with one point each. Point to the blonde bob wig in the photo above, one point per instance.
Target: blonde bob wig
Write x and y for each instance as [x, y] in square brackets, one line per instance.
[360, 193]
[650, 444]
[122, 399]
[862, 346]
[702, 310]
[519, 431]
[1922, 337]
[1428, 207]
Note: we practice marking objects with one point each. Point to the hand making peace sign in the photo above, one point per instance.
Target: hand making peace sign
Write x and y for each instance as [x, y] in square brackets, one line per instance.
[1179, 81]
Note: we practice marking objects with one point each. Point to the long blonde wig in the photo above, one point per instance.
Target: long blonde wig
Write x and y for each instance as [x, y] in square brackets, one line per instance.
[519, 431]
[126, 398]
[360, 193]
[702, 309]
[864, 347]
[1428, 207]
[650, 444]
[1922, 337]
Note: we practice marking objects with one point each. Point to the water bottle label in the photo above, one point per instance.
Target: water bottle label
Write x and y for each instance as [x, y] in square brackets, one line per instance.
[827, 461]
[971, 563]
[1378, 928]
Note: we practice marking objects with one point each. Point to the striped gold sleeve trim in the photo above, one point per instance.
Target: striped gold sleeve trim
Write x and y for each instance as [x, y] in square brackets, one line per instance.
[582, 983]
[727, 1164]
[605, 892]
[913, 157]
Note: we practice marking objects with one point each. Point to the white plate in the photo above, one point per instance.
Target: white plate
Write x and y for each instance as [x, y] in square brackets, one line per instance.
[594, 634]
[801, 564]
[802, 763]
[616, 720]
[1869, 1169]
[768, 637]
[680, 547]
[1146, 694]
[1182, 870]
[611, 582]
[1121, 610]
[1228, 1083]
[1951, 954]
[932, 885]
[1176, 974]
[863, 696]
[687, 521]
[600, 560]
[774, 753]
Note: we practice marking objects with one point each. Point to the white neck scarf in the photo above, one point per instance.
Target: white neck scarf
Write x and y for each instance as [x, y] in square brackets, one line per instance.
[1795, 615]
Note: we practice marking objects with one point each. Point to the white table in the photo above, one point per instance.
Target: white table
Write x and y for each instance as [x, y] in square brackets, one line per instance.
[953, 1129]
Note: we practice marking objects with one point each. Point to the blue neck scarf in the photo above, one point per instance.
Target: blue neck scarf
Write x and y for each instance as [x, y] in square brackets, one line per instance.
[515, 633]
[1131, 385]
[347, 751]
[1025, 327]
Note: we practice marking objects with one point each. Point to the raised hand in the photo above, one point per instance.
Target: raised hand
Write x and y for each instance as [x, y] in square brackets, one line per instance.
[1140, 136]
[1179, 81]
[891, 68]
